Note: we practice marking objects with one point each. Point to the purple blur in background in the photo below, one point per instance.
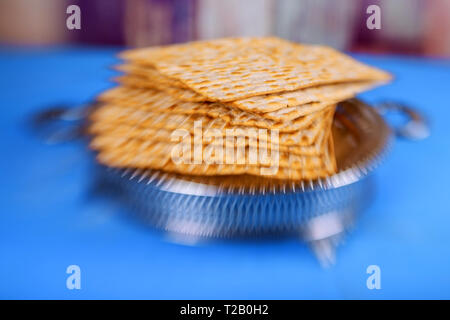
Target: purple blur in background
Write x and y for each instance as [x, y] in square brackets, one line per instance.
[416, 27]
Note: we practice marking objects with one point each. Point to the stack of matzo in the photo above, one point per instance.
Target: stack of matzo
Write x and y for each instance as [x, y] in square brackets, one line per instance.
[205, 108]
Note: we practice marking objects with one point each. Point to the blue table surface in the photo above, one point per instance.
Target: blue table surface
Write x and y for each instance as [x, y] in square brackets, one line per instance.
[49, 220]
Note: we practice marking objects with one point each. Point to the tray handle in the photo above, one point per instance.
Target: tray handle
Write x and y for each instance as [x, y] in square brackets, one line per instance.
[60, 123]
[416, 126]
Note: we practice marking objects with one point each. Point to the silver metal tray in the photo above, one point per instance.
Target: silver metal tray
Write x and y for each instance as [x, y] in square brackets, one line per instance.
[318, 211]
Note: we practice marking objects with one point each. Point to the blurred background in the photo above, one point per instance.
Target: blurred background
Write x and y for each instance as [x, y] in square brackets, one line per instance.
[408, 26]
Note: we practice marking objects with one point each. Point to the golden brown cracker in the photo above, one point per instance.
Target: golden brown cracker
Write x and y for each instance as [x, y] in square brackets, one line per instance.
[149, 74]
[231, 69]
[152, 152]
[115, 115]
[293, 119]
[297, 98]
[179, 93]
